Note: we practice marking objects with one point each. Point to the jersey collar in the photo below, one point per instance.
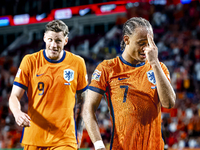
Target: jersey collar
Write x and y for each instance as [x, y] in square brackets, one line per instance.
[54, 61]
[132, 65]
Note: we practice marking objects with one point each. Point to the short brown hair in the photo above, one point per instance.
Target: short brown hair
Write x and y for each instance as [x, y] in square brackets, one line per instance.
[57, 26]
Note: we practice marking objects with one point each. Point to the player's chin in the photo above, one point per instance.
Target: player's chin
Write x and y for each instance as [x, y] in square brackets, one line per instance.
[54, 56]
[142, 58]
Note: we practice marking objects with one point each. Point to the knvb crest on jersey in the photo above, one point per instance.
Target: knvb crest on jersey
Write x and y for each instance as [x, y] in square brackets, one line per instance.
[151, 77]
[68, 75]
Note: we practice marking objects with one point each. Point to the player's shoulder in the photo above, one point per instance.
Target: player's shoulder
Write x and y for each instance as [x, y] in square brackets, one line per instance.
[163, 65]
[33, 56]
[109, 63]
[74, 57]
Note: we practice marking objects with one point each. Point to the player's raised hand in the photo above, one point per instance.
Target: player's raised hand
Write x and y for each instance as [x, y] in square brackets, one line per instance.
[151, 51]
[22, 119]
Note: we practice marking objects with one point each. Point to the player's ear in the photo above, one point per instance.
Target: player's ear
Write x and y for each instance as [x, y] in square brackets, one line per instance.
[126, 39]
[44, 38]
[66, 40]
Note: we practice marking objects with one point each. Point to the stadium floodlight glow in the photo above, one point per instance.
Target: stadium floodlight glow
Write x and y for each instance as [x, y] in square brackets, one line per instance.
[158, 2]
[185, 1]
[98, 9]
[107, 8]
[83, 12]
[40, 17]
[21, 19]
[4, 21]
[129, 5]
[136, 4]
[63, 13]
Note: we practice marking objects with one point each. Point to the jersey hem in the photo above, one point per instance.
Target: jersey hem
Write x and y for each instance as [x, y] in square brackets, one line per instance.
[49, 145]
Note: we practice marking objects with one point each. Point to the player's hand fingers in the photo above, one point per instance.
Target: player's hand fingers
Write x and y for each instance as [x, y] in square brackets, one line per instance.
[20, 122]
[26, 125]
[27, 116]
[26, 122]
[150, 40]
[147, 50]
[23, 120]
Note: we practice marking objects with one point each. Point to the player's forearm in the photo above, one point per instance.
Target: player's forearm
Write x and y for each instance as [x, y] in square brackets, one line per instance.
[14, 104]
[79, 105]
[91, 104]
[166, 93]
[91, 125]
[15, 96]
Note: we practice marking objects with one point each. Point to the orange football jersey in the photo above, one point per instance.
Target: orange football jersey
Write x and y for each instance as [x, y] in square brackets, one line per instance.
[51, 87]
[131, 94]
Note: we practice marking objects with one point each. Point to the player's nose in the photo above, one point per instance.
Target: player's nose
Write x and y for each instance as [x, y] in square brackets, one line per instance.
[144, 48]
[53, 44]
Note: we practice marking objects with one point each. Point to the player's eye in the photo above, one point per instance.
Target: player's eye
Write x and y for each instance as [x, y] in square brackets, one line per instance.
[49, 39]
[142, 44]
[58, 41]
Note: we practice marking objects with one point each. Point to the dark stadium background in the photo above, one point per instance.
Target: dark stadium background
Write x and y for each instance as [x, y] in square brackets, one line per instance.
[95, 34]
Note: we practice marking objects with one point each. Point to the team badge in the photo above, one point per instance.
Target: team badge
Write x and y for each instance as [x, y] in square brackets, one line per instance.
[151, 77]
[96, 75]
[68, 75]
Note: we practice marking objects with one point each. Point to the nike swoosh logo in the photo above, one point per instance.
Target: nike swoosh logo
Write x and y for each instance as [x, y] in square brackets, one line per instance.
[37, 75]
[122, 78]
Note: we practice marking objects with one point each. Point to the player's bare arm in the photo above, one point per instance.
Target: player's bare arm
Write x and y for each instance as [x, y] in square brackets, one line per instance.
[79, 120]
[165, 91]
[92, 102]
[21, 118]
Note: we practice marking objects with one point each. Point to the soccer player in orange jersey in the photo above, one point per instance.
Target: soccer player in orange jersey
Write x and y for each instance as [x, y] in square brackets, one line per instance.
[135, 86]
[51, 78]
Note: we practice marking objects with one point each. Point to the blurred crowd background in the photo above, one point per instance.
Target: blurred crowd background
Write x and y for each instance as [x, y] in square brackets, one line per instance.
[176, 34]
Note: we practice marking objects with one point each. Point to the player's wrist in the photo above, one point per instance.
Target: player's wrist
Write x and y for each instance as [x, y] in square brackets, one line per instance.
[154, 63]
[99, 144]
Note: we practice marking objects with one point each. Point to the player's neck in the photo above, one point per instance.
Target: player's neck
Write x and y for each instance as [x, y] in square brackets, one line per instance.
[130, 59]
[61, 55]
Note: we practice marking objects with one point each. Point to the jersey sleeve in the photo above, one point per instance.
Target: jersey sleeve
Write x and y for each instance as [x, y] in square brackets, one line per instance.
[99, 79]
[82, 77]
[22, 76]
[165, 70]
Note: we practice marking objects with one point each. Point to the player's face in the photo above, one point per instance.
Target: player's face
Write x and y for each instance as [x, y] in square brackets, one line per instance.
[55, 42]
[136, 43]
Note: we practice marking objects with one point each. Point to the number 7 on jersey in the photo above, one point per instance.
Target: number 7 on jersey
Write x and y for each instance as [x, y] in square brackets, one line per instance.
[125, 93]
